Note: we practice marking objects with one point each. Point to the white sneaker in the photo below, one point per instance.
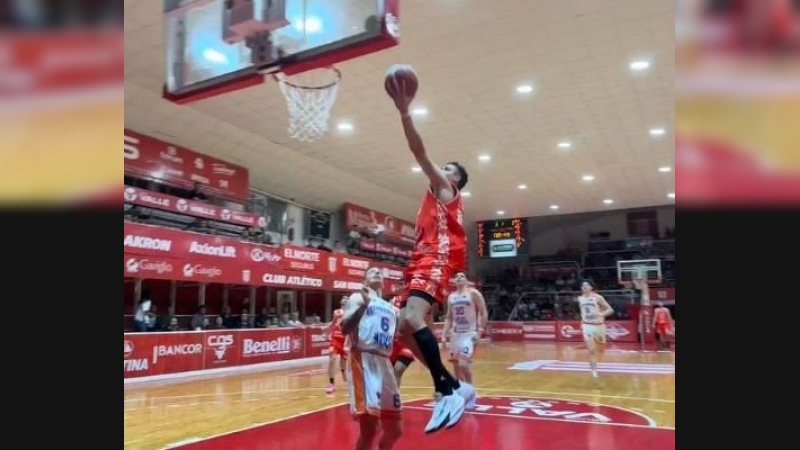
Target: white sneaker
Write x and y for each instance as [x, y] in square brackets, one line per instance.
[456, 406]
[470, 395]
[440, 416]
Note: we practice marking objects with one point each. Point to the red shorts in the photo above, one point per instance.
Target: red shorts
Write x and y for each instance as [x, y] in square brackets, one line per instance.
[430, 277]
[337, 347]
[662, 328]
[398, 350]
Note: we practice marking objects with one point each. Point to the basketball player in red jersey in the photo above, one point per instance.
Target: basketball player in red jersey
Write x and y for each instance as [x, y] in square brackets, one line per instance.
[439, 251]
[336, 350]
[662, 323]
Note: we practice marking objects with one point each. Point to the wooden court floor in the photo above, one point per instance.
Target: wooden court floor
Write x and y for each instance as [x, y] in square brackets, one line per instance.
[158, 416]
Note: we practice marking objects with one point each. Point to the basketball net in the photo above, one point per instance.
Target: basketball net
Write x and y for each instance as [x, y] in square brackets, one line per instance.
[309, 96]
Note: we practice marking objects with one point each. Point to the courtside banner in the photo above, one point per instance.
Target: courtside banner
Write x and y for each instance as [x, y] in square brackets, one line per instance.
[505, 331]
[616, 331]
[148, 354]
[317, 343]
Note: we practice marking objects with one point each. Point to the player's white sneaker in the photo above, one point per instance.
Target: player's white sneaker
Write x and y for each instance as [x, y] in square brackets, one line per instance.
[470, 395]
[456, 406]
[440, 415]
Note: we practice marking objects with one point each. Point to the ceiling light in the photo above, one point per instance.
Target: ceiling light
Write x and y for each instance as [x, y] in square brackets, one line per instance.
[554, 207]
[522, 186]
[657, 131]
[608, 201]
[466, 194]
[416, 169]
[484, 158]
[500, 212]
[671, 195]
[215, 56]
[564, 145]
[665, 169]
[639, 65]
[525, 89]
[344, 126]
[419, 111]
[588, 178]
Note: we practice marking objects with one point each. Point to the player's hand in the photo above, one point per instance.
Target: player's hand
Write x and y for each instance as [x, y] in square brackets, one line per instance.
[366, 295]
[397, 90]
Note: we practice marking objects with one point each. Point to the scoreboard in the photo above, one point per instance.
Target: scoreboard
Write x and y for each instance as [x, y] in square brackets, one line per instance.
[502, 238]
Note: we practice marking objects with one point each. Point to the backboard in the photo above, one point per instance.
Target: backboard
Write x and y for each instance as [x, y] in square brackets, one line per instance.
[218, 46]
[648, 270]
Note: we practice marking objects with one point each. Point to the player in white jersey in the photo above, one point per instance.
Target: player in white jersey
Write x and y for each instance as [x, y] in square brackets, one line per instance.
[370, 322]
[464, 324]
[594, 310]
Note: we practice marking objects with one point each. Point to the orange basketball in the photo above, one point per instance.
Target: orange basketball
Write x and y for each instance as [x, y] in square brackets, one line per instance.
[401, 76]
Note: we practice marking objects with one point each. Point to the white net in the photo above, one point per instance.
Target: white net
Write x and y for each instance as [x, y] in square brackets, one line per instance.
[309, 96]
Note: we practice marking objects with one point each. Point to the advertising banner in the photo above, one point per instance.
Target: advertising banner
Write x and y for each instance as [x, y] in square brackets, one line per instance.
[152, 158]
[203, 210]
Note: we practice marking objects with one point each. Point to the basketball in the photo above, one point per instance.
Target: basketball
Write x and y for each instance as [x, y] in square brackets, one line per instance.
[401, 75]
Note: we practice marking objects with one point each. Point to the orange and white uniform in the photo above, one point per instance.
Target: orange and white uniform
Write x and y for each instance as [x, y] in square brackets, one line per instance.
[370, 375]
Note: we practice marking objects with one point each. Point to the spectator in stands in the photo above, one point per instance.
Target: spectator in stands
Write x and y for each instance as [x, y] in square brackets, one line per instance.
[140, 315]
[284, 320]
[294, 320]
[243, 321]
[273, 322]
[152, 318]
[197, 192]
[199, 318]
[338, 247]
[262, 318]
[164, 320]
[216, 324]
[228, 321]
[172, 325]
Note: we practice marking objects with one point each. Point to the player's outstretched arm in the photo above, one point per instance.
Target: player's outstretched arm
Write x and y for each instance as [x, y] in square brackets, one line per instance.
[402, 100]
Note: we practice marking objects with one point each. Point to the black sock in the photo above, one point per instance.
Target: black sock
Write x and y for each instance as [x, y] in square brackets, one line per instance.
[442, 380]
[331, 380]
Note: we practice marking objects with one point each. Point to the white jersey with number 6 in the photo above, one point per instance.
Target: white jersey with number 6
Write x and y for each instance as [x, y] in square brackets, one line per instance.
[375, 331]
[464, 312]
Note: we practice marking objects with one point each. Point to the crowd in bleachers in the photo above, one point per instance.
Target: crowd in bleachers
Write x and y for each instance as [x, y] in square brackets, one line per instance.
[545, 287]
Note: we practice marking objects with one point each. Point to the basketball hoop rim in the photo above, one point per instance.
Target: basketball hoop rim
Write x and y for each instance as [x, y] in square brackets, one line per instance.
[632, 283]
[280, 77]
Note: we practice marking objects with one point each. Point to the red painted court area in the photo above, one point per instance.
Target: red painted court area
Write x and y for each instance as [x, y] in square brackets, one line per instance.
[499, 423]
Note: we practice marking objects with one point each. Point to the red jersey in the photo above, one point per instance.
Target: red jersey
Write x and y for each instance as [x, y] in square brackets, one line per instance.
[662, 315]
[441, 240]
[336, 324]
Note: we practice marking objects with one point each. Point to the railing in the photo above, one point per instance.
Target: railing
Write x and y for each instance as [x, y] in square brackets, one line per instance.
[564, 306]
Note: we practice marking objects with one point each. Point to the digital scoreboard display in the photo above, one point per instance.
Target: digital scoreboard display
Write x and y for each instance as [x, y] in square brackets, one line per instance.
[502, 238]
